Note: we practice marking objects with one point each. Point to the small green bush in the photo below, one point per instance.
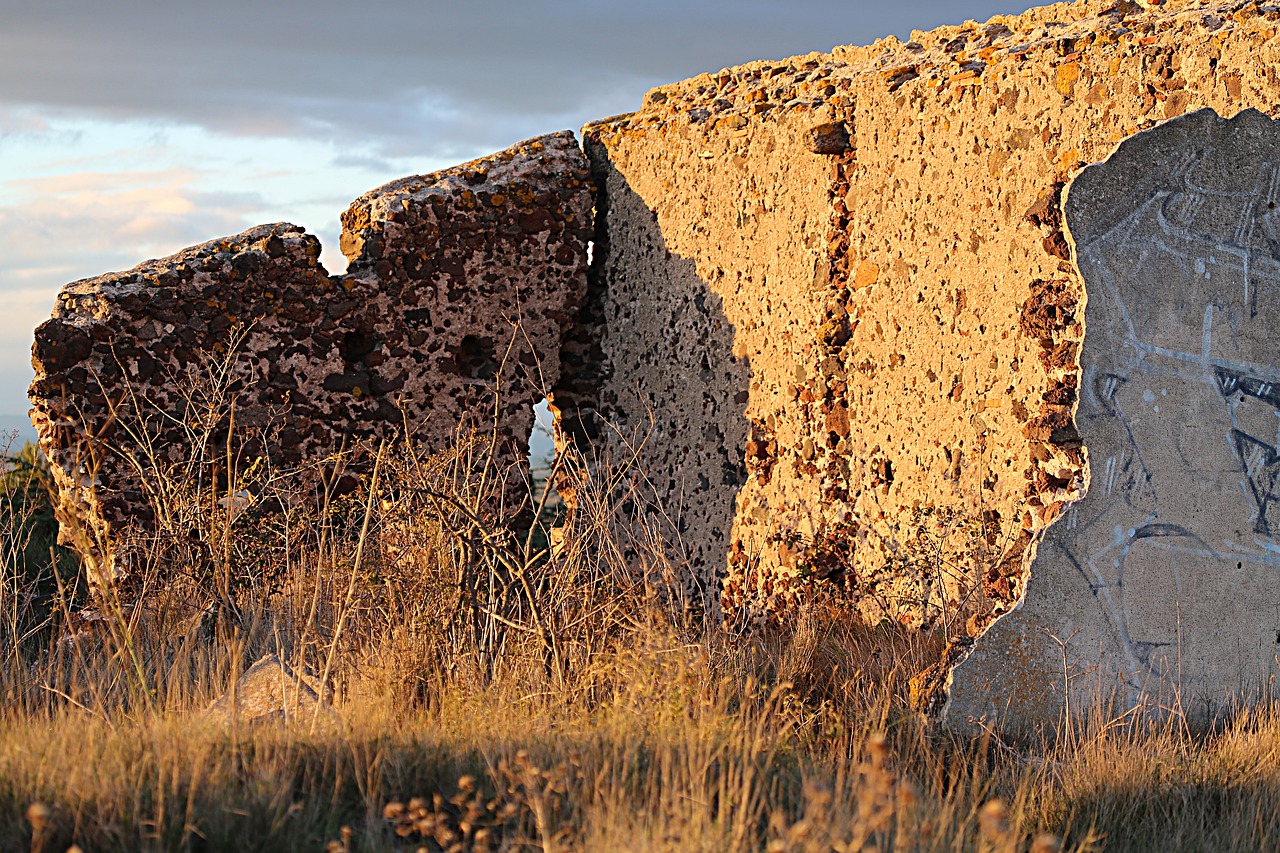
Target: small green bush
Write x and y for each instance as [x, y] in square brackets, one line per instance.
[31, 561]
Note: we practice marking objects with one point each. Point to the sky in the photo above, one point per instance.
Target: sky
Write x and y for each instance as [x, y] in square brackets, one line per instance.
[132, 129]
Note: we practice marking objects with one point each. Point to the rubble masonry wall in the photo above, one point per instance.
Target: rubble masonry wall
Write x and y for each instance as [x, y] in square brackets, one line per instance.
[459, 283]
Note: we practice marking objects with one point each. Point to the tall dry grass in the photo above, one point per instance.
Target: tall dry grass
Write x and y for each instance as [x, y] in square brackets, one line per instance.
[493, 695]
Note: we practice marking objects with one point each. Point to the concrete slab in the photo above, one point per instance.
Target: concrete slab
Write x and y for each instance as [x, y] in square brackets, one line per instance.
[1158, 590]
[272, 691]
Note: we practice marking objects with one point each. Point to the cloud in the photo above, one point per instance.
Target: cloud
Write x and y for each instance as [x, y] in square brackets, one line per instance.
[108, 220]
[409, 75]
[24, 120]
[355, 161]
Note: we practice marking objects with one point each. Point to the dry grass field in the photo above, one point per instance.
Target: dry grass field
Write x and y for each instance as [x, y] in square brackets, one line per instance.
[483, 694]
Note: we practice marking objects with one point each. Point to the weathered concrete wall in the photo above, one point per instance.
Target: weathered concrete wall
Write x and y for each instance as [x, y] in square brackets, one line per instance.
[1161, 585]
[838, 287]
[458, 282]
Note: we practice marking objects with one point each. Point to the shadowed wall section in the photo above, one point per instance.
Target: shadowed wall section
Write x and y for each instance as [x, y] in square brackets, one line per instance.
[665, 407]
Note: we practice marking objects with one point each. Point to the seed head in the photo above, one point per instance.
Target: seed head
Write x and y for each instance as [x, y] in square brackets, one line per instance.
[38, 816]
[1046, 842]
[993, 820]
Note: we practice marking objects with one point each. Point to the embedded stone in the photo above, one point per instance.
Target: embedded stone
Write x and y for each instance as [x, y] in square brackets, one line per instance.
[828, 138]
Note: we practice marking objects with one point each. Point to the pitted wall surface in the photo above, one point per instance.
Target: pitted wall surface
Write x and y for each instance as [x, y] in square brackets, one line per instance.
[458, 282]
[844, 277]
[1159, 588]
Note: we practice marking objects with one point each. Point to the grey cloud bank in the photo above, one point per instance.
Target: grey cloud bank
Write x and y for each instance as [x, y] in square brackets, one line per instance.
[405, 74]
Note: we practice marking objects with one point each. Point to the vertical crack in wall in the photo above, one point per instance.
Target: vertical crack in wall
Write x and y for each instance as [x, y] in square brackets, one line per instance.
[584, 370]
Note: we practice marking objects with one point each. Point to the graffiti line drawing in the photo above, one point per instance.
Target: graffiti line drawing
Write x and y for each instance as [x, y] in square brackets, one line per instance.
[1185, 272]
[1160, 587]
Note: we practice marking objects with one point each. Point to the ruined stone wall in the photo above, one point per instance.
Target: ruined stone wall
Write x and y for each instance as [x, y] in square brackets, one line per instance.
[458, 282]
[837, 288]
[830, 340]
